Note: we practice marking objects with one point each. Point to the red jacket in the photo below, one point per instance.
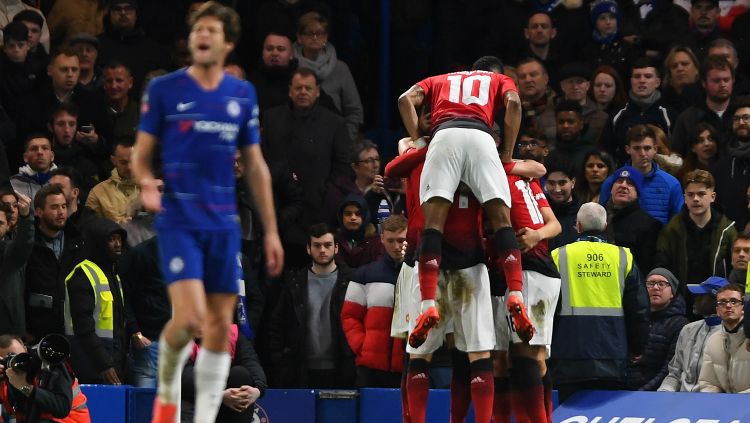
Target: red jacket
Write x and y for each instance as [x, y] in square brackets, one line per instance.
[367, 314]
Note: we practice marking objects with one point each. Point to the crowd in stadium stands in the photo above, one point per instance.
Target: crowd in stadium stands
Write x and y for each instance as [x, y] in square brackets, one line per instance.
[641, 106]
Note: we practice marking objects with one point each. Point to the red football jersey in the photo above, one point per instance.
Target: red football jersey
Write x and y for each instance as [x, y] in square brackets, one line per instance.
[468, 95]
[527, 200]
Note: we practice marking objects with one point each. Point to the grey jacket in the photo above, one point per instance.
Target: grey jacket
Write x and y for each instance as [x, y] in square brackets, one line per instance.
[687, 361]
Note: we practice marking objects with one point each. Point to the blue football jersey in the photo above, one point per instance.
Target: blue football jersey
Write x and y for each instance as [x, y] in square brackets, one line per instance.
[198, 133]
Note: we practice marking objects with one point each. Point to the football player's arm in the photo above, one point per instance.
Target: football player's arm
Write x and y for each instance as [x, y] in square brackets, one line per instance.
[511, 125]
[407, 107]
[143, 152]
[525, 168]
[258, 178]
[528, 238]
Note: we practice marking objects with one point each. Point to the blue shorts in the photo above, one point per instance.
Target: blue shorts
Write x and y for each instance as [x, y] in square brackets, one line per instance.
[211, 256]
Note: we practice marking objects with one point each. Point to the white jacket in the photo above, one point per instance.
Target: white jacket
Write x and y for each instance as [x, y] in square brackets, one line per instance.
[686, 363]
[726, 363]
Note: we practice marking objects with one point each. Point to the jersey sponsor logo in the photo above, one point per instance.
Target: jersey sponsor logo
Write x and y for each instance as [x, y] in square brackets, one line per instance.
[233, 108]
[181, 107]
[227, 131]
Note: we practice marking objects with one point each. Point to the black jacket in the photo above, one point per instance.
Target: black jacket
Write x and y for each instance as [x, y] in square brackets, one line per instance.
[647, 372]
[45, 275]
[566, 214]
[287, 332]
[14, 255]
[91, 354]
[54, 397]
[613, 137]
[732, 176]
[315, 143]
[633, 228]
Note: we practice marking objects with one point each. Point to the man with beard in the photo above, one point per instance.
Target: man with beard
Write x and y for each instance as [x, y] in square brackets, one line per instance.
[271, 79]
[57, 248]
[740, 258]
[717, 78]
[732, 170]
[307, 343]
[662, 193]
[38, 156]
[571, 145]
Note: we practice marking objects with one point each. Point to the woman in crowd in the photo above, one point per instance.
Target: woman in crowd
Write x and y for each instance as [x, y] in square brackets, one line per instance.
[704, 150]
[597, 165]
[680, 87]
[607, 89]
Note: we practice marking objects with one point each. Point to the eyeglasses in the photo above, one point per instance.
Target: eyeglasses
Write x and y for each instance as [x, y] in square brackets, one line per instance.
[657, 284]
[371, 160]
[530, 144]
[728, 303]
[125, 8]
[318, 34]
[743, 118]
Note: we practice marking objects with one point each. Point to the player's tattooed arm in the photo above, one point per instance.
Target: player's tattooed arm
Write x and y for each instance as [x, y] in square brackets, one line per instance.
[511, 124]
[408, 103]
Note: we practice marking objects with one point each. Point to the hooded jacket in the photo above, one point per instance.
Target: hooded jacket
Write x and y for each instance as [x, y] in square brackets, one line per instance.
[647, 373]
[112, 198]
[28, 181]
[357, 248]
[90, 354]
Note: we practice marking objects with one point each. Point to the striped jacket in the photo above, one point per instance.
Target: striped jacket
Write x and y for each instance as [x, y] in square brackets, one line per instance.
[367, 314]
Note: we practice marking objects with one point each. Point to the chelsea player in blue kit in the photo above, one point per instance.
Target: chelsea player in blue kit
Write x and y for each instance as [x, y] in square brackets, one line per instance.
[199, 117]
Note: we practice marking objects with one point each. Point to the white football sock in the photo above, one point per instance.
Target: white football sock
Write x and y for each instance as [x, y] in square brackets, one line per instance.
[171, 362]
[211, 372]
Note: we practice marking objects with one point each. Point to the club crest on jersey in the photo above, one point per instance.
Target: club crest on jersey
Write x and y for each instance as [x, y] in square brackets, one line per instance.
[233, 108]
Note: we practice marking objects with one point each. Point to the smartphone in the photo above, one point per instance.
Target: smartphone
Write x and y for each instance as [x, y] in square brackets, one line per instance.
[40, 300]
[87, 128]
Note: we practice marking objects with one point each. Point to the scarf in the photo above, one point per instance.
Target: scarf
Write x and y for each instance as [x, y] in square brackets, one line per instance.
[599, 38]
[322, 66]
[645, 103]
[739, 149]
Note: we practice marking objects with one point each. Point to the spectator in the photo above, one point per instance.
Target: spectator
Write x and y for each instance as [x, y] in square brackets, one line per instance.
[69, 153]
[57, 248]
[14, 255]
[246, 382]
[311, 139]
[722, 47]
[662, 196]
[680, 88]
[38, 51]
[572, 142]
[703, 150]
[644, 106]
[38, 156]
[647, 371]
[624, 311]
[732, 170]
[123, 39]
[532, 145]
[123, 111]
[537, 99]
[607, 89]
[685, 366]
[540, 34]
[11, 8]
[78, 214]
[313, 51]
[607, 46]
[368, 311]
[725, 358]
[357, 238]
[740, 258]
[697, 243]
[558, 186]
[596, 166]
[655, 27]
[704, 25]
[307, 342]
[69, 17]
[627, 225]
[271, 79]
[95, 308]
[575, 85]
[86, 47]
[114, 197]
[17, 86]
[9, 198]
[717, 78]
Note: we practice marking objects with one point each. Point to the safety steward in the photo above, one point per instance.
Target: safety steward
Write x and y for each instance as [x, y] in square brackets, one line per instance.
[52, 396]
[95, 308]
[603, 310]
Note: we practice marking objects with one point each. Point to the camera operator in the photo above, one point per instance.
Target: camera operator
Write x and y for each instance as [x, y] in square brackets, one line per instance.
[52, 395]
